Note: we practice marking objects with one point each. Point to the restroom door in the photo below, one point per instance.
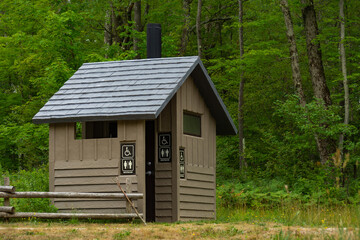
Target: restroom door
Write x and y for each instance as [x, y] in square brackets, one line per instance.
[150, 170]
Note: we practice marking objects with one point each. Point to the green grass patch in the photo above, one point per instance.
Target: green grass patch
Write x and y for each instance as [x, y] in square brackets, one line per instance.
[122, 235]
[295, 214]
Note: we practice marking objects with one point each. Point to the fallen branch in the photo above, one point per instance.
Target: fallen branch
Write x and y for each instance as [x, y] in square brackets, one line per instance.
[132, 205]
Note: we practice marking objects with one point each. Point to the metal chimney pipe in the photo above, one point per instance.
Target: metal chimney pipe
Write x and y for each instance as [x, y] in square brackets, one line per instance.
[153, 39]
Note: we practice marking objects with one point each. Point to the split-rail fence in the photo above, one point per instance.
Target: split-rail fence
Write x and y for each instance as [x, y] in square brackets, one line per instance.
[7, 211]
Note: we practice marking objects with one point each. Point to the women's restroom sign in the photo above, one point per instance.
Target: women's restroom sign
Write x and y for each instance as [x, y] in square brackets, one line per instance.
[164, 147]
[128, 159]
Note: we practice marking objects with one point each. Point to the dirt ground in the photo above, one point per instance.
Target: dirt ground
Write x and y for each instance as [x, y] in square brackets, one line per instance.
[196, 230]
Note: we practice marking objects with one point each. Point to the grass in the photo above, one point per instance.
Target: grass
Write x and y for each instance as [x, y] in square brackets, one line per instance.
[292, 222]
[299, 215]
[207, 230]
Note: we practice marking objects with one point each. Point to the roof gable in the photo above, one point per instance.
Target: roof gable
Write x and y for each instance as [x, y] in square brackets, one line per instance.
[132, 89]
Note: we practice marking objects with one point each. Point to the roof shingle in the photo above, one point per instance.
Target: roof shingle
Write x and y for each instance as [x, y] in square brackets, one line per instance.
[132, 89]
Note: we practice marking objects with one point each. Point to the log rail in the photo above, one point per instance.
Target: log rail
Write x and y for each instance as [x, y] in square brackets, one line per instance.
[8, 192]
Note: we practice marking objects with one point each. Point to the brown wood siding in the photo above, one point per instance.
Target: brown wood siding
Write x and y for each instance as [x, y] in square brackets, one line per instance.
[163, 172]
[197, 193]
[90, 165]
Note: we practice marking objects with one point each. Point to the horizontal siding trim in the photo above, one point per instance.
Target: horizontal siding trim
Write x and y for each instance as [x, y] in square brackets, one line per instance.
[200, 177]
[197, 184]
[92, 188]
[163, 175]
[200, 170]
[84, 181]
[197, 214]
[101, 210]
[197, 191]
[163, 197]
[163, 190]
[91, 204]
[197, 206]
[163, 182]
[163, 213]
[197, 199]
[86, 172]
[163, 219]
[86, 164]
[184, 219]
[163, 205]
[163, 167]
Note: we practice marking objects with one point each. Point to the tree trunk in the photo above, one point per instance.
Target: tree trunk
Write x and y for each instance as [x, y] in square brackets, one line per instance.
[242, 161]
[108, 29]
[127, 20]
[116, 23]
[316, 68]
[343, 70]
[198, 32]
[185, 31]
[137, 19]
[295, 66]
[326, 146]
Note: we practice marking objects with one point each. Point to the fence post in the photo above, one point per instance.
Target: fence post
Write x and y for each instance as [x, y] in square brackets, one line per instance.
[6, 200]
[128, 190]
[6, 183]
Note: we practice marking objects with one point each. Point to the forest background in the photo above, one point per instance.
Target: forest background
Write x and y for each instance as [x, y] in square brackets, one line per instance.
[244, 46]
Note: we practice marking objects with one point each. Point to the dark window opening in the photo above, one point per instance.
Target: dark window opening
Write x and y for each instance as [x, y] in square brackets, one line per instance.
[100, 129]
[192, 124]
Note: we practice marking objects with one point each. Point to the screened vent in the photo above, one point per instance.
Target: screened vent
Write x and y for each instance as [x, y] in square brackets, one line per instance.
[192, 124]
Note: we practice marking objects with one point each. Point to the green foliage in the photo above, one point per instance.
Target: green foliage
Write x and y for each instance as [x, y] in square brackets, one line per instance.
[42, 43]
[35, 180]
[275, 193]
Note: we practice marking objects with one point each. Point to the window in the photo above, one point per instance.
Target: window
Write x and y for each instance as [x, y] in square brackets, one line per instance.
[192, 124]
[101, 129]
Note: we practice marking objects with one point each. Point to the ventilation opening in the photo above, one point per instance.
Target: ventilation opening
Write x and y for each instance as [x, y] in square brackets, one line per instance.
[91, 130]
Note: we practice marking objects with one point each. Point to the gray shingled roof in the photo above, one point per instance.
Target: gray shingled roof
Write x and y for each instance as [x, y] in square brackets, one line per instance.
[132, 89]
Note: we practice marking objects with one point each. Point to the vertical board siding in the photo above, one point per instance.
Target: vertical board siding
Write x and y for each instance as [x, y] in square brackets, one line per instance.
[197, 192]
[91, 165]
[51, 156]
[163, 173]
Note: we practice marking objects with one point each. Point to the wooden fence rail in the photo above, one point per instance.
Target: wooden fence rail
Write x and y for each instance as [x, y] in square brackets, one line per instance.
[69, 195]
[7, 211]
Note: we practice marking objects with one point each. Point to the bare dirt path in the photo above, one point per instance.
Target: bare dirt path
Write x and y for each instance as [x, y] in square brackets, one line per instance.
[31, 230]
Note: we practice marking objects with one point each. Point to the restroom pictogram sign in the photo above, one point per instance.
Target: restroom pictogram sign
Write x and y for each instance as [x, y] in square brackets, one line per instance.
[182, 162]
[128, 159]
[164, 147]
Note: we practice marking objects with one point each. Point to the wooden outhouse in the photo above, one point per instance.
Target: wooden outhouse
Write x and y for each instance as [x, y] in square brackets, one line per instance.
[152, 122]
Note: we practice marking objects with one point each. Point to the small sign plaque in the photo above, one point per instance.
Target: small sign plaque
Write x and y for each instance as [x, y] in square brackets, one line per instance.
[128, 150]
[164, 147]
[127, 159]
[182, 162]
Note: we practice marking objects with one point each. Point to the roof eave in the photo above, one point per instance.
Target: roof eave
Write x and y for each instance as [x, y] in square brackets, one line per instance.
[225, 125]
[150, 116]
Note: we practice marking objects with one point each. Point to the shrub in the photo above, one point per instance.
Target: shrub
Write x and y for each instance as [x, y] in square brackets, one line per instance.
[32, 180]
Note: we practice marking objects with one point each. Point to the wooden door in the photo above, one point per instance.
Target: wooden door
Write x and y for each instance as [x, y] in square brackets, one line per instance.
[150, 170]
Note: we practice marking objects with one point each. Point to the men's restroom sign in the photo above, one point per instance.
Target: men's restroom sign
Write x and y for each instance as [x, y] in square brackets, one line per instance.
[128, 159]
[182, 162]
[164, 147]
